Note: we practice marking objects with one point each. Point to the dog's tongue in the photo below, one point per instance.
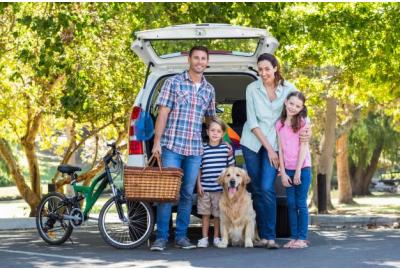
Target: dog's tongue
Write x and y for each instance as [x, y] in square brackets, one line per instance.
[232, 190]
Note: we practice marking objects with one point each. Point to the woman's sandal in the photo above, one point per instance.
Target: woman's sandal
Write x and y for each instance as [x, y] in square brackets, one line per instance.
[290, 243]
[300, 244]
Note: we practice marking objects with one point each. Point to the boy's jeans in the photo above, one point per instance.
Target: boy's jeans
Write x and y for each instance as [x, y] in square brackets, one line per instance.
[262, 184]
[297, 204]
[190, 166]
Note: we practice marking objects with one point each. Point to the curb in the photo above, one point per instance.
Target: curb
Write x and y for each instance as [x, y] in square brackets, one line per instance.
[17, 223]
[321, 220]
[351, 220]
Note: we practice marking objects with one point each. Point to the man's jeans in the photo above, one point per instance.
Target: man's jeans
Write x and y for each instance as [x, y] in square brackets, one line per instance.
[190, 166]
[297, 204]
[262, 184]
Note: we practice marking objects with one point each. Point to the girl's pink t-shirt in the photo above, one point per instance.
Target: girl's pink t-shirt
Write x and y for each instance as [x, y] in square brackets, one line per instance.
[290, 143]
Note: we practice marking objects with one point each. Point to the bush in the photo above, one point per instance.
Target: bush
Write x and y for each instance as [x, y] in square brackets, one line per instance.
[5, 181]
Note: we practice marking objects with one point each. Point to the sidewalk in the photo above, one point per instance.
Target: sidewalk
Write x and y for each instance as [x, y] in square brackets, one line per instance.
[322, 221]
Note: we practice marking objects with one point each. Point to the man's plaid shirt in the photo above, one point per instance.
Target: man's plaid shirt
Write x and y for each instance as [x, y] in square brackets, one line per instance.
[188, 105]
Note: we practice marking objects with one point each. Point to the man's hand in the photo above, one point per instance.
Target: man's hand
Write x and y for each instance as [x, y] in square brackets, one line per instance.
[230, 152]
[156, 151]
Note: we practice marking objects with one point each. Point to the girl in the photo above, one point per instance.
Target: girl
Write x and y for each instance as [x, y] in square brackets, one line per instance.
[295, 166]
[214, 160]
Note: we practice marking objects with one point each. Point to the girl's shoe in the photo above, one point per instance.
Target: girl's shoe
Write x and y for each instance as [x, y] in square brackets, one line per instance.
[300, 244]
[203, 242]
[290, 243]
[216, 241]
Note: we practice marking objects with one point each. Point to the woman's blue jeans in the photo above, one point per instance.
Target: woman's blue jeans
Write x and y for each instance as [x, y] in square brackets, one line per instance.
[297, 204]
[262, 187]
[190, 166]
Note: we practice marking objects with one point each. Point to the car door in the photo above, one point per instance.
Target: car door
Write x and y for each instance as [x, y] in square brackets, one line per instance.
[229, 46]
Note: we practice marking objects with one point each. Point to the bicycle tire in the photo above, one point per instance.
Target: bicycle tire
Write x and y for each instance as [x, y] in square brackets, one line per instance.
[46, 226]
[126, 236]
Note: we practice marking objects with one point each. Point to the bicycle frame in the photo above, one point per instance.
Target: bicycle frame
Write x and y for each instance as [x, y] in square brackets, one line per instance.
[91, 196]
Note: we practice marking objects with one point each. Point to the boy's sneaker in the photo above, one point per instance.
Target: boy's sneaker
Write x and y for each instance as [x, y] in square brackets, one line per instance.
[184, 243]
[159, 245]
[217, 241]
[203, 243]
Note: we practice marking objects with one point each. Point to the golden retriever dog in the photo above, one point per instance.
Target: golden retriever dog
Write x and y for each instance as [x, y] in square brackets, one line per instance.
[238, 218]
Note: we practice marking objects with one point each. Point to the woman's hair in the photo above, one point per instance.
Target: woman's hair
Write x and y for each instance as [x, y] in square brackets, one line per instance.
[296, 122]
[218, 121]
[275, 63]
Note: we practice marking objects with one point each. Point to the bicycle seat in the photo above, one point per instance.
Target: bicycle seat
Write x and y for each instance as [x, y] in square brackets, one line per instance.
[68, 169]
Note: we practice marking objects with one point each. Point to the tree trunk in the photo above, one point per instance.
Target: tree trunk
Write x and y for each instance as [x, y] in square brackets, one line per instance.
[27, 194]
[362, 177]
[342, 163]
[28, 143]
[325, 162]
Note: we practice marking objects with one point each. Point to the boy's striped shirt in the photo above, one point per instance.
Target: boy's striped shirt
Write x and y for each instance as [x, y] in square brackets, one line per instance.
[215, 159]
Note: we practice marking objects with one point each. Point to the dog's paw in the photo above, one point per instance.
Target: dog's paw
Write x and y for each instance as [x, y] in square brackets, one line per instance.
[248, 244]
[222, 244]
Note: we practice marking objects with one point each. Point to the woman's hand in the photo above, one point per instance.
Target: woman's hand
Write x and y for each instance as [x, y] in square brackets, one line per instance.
[305, 134]
[285, 180]
[296, 178]
[273, 159]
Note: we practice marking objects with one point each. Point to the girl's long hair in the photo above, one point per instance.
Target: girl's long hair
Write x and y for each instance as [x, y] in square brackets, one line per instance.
[296, 122]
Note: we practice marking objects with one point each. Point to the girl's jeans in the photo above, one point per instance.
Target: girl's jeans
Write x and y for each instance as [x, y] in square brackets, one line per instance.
[190, 166]
[262, 187]
[297, 204]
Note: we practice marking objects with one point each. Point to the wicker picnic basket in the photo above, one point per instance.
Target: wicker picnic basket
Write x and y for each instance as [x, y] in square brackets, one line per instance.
[152, 184]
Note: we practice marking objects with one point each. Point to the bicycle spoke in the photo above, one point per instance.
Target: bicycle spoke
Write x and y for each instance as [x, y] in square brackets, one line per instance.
[121, 234]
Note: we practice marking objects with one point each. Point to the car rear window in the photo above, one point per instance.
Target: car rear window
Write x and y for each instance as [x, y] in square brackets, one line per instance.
[233, 46]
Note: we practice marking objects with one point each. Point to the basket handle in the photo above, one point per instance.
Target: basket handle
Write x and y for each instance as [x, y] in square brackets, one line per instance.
[151, 161]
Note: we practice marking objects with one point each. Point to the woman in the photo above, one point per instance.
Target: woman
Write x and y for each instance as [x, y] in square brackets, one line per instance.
[264, 102]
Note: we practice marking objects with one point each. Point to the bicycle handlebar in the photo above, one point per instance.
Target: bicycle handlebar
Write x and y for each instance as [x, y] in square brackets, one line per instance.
[109, 156]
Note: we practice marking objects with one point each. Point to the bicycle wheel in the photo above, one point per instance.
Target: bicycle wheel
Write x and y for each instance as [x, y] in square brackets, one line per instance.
[131, 233]
[50, 221]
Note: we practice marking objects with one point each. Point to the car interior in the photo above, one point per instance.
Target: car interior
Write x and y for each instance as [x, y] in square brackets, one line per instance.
[230, 91]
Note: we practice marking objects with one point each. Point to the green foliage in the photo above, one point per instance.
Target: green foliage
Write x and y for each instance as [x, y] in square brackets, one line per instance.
[5, 179]
[370, 132]
[72, 61]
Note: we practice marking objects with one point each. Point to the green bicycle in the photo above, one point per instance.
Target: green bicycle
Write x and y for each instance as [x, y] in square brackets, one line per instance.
[122, 224]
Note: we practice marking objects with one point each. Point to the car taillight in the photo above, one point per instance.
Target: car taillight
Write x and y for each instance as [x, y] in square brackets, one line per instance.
[135, 146]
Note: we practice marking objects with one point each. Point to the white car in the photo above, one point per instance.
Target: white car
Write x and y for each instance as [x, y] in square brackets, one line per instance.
[232, 66]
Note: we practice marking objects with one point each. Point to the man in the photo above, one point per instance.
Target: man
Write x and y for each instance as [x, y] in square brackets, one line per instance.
[183, 102]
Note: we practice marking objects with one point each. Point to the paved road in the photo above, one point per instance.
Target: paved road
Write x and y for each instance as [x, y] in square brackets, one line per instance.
[329, 248]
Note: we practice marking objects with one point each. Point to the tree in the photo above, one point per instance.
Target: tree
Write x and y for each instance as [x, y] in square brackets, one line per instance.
[368, 140]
